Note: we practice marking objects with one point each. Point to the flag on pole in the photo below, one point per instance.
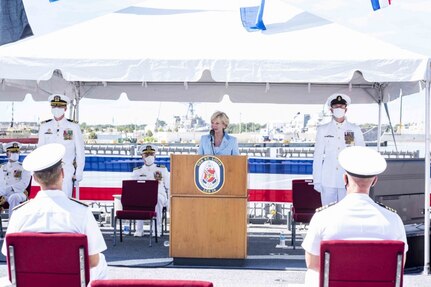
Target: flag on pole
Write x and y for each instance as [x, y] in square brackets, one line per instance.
[378, 4]
[251, 17]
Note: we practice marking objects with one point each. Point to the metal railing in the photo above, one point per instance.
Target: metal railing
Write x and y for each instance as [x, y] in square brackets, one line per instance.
[281, 152]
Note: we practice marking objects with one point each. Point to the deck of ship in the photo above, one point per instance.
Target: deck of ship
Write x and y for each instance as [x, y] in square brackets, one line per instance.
[265, 264]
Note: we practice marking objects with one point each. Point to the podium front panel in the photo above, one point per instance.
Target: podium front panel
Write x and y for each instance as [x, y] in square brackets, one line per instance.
[184, 179]
[203, 227]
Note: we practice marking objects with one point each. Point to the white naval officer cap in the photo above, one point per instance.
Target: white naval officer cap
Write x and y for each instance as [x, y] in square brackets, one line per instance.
[147, 148]
[338, 98]
[360, 161]
[44, 157]
[12, 146]
[58, 100]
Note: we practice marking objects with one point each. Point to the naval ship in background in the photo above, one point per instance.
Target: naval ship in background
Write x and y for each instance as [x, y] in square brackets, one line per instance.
[23, 132]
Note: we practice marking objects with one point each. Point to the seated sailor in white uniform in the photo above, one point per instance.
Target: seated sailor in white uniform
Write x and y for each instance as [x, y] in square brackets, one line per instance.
[52, 211]
[356, 216]
[14, 179]
[152, 171]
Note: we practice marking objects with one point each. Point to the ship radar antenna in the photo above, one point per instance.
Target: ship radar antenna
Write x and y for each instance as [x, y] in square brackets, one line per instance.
[11, 122]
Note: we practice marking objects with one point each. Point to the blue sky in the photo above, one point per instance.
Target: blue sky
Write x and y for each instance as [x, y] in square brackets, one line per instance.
[124, 111]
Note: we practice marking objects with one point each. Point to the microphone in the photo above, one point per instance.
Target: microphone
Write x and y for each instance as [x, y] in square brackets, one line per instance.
[212, 133]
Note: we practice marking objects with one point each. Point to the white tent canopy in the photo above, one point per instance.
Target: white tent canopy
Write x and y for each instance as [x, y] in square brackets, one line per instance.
[199, 51]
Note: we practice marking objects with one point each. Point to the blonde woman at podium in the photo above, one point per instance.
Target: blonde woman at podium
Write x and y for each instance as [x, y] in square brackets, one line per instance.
[218, 142]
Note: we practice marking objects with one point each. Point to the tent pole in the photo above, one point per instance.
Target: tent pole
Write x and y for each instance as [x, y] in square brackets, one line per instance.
[379, 127]
[427, 181]
[77, 95]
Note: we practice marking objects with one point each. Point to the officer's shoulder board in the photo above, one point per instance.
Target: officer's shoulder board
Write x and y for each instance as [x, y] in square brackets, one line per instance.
[72, 121]
[161, 165]
[47, 121]
[138, 167]
[77, 201]
[385, 206]
[21, 205]
[325, 206]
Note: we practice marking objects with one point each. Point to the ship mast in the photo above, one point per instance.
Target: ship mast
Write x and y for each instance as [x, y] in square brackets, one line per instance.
[11, 122]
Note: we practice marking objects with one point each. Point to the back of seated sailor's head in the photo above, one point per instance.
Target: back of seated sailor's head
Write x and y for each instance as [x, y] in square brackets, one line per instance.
[361, 165]
[46, 164]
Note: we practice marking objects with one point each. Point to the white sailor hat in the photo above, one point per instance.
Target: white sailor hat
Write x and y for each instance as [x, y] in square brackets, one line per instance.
[147, 148]
[58, 100]
[338, 99]
[12, 146]
[44, 157]
[361, 161]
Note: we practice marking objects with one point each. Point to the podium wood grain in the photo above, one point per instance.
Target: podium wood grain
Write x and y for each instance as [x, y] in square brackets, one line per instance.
[208, 225]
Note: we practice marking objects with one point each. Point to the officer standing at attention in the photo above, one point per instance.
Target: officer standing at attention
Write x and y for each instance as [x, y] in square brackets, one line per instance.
[152, 171]
[68, 133]
[13, 178]
[331, 139]
[356, 216]
[52, 211]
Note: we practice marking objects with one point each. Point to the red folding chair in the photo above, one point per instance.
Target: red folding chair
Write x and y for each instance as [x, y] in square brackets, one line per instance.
[149, 283]
[48, 259]
[305, 201]
[139, 200]
[361, 263]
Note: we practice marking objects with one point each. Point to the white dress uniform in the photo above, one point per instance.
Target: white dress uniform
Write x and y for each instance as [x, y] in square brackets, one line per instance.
[52, 211]
[355, 217]
[151, 172]
[331, 139]
[67, 133]
[14, 180]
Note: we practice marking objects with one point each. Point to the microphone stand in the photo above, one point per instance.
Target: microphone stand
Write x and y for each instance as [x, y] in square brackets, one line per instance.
[212, 141]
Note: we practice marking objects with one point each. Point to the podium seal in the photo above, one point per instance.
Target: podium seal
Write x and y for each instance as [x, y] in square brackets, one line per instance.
[209, 174]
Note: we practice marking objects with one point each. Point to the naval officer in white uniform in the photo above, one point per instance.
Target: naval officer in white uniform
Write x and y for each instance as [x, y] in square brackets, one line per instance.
[331, 139]
[152, 171]
[14, 179]
[356, 216]
[68, 133]
[52, 211]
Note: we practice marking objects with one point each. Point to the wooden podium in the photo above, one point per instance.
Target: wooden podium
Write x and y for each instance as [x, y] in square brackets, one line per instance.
[208, 221]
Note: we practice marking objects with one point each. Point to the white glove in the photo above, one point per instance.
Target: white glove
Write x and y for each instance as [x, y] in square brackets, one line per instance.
[318, 187]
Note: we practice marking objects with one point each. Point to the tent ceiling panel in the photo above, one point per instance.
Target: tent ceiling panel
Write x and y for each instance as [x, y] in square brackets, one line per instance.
[207, 48]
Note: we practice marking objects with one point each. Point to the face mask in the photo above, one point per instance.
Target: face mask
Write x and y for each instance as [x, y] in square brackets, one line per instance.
[338, 112]
[57, 112]
[149, 160]
[14, 156]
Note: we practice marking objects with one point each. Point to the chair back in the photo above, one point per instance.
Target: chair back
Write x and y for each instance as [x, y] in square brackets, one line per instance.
[305, 200]
[149, 283]
[364, 263]
[139, 194]
[48, 259]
